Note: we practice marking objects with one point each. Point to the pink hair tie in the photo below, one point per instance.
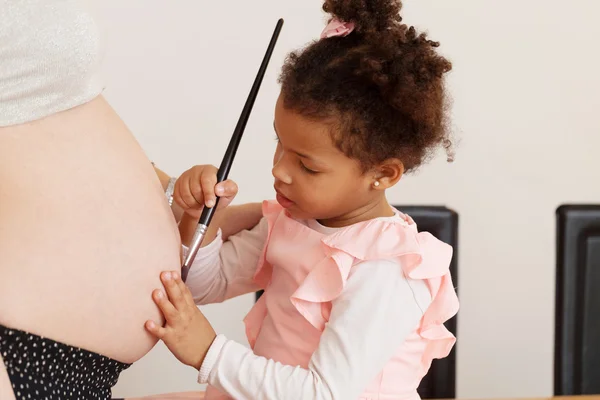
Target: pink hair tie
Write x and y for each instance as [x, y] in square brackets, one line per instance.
[337, 28]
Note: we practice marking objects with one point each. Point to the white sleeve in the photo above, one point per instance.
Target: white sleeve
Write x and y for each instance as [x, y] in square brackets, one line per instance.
[222, 270]
[369, 321]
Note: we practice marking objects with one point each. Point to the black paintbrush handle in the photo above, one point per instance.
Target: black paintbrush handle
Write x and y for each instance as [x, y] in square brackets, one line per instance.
[234, 143]
[223, 173]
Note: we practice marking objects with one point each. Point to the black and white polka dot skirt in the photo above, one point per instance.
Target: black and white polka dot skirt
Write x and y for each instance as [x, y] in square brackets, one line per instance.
[43, 369]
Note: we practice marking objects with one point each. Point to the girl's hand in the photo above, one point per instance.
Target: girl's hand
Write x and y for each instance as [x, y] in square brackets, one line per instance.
[197, 187]
[187, 333]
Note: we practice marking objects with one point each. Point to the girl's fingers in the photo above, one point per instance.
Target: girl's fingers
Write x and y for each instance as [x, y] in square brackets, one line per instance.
[165, 305]
[208, 181]
[173, 292]
[226, 190]
[196, 191]
[187, 295]
[156, 330]
[177, 197]
[193, 200]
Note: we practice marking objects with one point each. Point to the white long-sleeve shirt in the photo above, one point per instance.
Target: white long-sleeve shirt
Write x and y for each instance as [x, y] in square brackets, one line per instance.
[378, 308]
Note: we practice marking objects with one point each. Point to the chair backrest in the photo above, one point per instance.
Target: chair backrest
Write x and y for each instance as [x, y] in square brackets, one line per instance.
[442, 222]
[440, 382]
[577, 319]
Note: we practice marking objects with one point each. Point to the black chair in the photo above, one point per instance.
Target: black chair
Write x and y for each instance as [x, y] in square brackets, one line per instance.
[440, 382]
[577, 319]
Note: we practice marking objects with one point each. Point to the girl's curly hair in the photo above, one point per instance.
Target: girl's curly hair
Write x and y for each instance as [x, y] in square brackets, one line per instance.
[381, 86]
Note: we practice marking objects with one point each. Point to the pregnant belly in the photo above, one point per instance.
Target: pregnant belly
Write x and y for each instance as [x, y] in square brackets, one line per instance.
[85, 231]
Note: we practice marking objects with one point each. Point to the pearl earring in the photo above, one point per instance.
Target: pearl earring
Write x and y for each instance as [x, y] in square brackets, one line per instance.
[376, 183]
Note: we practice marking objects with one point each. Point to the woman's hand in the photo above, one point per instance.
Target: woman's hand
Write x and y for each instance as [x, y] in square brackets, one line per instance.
[187, 333]
[197, 187]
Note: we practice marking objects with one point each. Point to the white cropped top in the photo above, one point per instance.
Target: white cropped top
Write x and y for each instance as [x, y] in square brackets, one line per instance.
[50, 53]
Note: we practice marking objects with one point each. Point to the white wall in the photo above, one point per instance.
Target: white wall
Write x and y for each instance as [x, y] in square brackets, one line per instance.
[525, 87]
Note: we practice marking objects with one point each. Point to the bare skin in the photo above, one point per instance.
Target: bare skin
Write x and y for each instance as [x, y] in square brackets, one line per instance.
[84, 233]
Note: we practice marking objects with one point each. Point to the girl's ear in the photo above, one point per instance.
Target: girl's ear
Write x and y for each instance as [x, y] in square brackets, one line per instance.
[388, 173]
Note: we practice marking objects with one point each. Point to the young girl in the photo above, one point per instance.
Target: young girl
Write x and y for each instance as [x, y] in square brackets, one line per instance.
[355, 297]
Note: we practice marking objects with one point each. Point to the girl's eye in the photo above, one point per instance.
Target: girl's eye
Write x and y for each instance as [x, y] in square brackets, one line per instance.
[310, 171]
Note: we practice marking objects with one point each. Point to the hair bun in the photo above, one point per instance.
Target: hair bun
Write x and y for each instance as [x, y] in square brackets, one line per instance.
[369, 16]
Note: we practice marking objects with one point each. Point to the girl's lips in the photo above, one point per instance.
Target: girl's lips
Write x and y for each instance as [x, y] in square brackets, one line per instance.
[283, 201]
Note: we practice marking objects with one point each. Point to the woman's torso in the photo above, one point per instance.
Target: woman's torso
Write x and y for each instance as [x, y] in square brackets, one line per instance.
[84, 225]
[84, 232]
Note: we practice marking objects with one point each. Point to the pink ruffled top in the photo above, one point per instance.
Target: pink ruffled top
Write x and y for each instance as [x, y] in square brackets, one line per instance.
[303, 270]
